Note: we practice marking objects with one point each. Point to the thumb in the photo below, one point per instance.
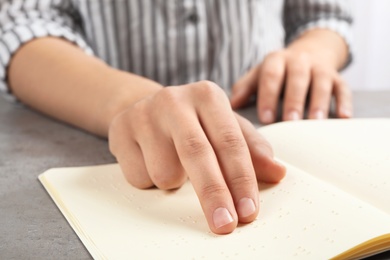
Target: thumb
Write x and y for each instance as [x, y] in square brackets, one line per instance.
[244, 88]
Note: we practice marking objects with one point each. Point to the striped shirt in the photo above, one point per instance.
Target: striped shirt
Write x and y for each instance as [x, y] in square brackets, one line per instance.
[170, 41]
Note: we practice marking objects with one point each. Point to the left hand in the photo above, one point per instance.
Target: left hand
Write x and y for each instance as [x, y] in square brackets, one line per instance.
[307, 64]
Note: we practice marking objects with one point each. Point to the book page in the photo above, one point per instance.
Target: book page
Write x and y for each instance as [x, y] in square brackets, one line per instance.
[300, 218]
[353, 154]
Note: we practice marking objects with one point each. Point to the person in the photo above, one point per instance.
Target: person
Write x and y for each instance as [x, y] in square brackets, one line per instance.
[160, 80]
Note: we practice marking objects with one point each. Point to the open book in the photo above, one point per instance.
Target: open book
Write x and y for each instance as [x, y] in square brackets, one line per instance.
[333, 203]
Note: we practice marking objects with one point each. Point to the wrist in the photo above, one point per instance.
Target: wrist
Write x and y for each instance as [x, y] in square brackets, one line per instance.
[127, 90]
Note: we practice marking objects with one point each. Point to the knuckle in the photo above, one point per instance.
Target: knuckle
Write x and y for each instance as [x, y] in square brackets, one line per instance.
[210, 191]
[271, 74]
[208, 89]
[208, 84]
[231, 140]
[323, 73]
[322, 89]
[141, 115]
[242, 181]
[169, 97]
[302, 57]
[194, 146]
[300, 72]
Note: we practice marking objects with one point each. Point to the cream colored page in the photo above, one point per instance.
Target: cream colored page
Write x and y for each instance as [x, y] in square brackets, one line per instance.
[351, 154]
[301, 218]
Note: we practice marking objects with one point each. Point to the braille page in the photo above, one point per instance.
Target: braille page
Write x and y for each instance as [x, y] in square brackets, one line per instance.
[353, 154]
[300, 218]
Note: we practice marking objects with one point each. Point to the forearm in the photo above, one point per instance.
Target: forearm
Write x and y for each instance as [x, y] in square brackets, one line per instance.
[325, 44]
[58, 79]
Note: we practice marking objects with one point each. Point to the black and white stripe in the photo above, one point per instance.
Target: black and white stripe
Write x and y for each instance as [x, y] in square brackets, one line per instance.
[173, 42]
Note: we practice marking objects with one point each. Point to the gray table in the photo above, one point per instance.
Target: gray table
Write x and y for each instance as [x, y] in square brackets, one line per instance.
[31, 226]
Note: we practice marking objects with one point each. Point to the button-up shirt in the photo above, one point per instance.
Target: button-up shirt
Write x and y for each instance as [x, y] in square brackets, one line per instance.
[170, 41]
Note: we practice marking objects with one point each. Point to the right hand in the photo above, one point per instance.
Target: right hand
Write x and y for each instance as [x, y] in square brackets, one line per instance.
[191, 131]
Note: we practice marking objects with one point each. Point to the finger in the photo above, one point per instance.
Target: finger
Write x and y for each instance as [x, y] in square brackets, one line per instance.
[161, 160]
[266, 168]
[128, 155]
[244, 88]
[198, 158]
[201, 164]
[343, 98]
[272, 73]
[297, 85]
[133, 167]
[321, 93]
[154, 137]
[228, 142]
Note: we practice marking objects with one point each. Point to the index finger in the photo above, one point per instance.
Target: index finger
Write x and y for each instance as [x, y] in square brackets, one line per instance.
[216, 157]
[201, 165]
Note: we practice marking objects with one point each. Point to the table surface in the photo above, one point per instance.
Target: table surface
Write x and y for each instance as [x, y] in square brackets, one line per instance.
[31, 226]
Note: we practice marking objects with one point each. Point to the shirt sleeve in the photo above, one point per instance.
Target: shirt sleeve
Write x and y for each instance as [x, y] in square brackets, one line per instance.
[300, 16]
[24, 20]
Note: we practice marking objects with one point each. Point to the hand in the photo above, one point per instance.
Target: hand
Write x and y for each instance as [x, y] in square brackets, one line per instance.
[191, 131]
[304, 69]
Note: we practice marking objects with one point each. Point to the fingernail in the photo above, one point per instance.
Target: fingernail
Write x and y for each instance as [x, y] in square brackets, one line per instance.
[221, 217]
[279, 164]
[267, 117]
[246, 207]
[293, 115]
[319, 114]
